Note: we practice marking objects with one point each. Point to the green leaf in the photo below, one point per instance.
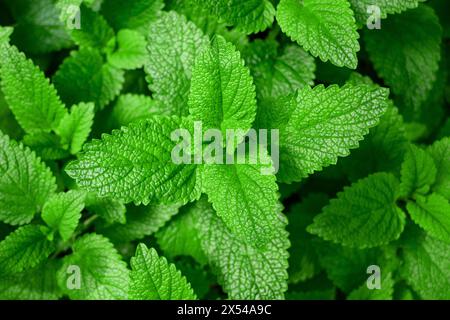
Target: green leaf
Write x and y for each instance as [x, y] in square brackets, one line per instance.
[25, 182]
[46, 145]
[426, 267]
[38, 28]
[63, 211]
[38, 283]
[28, 93]
[407, 61]
[94, 31]
[132, 51]
[152, 278]
[303, 260]
[135, 15]
[173, 44]
[325, 28]
[386, 291]
[110, 210]
[432, 213]
[360, 8]
[75, 127]
[83, 77]
[141, 221]
[324, 124]
[132, 108]
[418, 172]
[249, 16]
[440, 152]
[104, 275]
[245, 271]
[5, 33]
[135, 164]
[180, 237]
[24, 249]
[247, 201]
[363, 215]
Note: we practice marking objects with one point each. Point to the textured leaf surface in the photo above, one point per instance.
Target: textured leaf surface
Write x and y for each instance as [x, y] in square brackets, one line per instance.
[94, 31]
[407, 61]
[135, 164]
[75, 127]
[28, 93]
[130, 108]
[418, 172]
[104, 276]
[249, 16]
[24, 249]
[38, 283]
[110, 210]
[63, 211]
[180, 237]
[244, 270]
[363, 215]
[427, 269]
[173, 44]
[25, 182]
[386, 7]
[131, 52]
[136, 14]
[83, 77]
[153, 278]
[440, 152]
[325, 28]
[5, 33]
[325, 124]
[222, 94]
[248, 201]
[140, 222]
[432, 213]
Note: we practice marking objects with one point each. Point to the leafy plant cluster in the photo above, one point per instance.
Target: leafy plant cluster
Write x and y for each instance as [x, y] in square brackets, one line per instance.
[87, 181]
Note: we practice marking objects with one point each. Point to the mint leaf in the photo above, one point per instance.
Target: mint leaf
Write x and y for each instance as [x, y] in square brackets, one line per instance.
[324, 124]
[248, 203]
[63, 211]
[38, 29]
[25, 182]
[141, 221]
[38, 283]
[363, 215]
[24, 249]
[83, 77]
[28, 93]
[249, 16]
[240, 266]
[138, 160]
[407, 61]
[222, 94]
[180, 237]
[426, 267]
[131, 52]
[386, 291]
[110, 210]
[440, 152]
[94, 31]
[5, 33]
[432, 214]
[360, 8]
[152, 278]
[104, 275]
[325, 28]
[173, 45]
[75, 127]
[46, 145]
[135, 14]
[132, 108]
[418, 172]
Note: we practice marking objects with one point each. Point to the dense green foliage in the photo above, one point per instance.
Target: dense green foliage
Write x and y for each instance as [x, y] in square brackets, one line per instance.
[93, 205]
